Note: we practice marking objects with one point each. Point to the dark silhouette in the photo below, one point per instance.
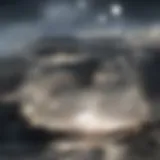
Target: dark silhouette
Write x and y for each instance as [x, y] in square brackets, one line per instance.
[149, 73]
[13, 71]
[51, 45]
[84, 71]
[17, 131]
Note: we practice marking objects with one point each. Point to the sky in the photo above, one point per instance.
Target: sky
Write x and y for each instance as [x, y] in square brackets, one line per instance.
[24, 21]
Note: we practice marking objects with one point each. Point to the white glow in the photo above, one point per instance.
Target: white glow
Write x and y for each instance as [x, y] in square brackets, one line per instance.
[87, 119]
[116, 10]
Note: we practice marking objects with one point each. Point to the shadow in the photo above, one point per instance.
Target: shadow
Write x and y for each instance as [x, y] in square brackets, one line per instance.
[16, 131]
[83, 71]
[13, 71]
[52, 45]
[149, 74]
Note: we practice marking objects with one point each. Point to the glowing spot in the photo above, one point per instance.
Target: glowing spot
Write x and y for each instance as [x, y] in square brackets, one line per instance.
[87, 120]
[116, 10]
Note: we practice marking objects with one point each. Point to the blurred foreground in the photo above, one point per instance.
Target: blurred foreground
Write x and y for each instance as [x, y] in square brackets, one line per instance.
[95, 101]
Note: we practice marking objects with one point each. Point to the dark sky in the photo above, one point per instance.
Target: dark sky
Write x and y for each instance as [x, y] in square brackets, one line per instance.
[22, 21]
[134, 9]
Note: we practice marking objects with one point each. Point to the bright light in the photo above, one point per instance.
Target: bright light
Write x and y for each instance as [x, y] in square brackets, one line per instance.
[116, 10]
[87, 120]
